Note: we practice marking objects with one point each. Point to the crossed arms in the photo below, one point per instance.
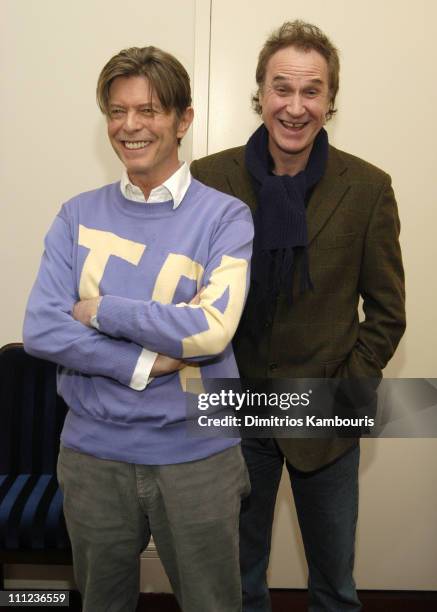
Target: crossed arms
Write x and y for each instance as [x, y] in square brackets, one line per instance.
[183, 331]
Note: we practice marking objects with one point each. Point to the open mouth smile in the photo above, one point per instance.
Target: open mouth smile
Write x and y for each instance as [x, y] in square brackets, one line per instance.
[295, 126]
[135, 144]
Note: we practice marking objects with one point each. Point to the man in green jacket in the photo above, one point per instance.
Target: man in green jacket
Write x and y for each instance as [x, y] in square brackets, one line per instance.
[326, 233]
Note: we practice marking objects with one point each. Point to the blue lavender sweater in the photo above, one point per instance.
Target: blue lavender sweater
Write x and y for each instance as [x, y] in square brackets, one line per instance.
[147, 261]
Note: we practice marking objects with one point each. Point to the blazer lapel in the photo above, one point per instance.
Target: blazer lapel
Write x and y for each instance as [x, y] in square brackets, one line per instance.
[239, 179]
[327, 194]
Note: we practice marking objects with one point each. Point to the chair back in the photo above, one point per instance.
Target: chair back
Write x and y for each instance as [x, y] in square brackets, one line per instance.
[31, 413]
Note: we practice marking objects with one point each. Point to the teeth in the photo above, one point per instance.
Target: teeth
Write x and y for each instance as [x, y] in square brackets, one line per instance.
[294, 125]
[139, 144]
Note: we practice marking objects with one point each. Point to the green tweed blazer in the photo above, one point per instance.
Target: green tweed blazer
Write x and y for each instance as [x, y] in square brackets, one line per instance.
[354, 251]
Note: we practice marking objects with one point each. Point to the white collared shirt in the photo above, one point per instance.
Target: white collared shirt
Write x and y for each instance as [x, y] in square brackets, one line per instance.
[174, 188]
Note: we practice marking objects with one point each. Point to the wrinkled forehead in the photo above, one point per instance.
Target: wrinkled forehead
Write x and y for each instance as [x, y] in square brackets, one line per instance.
[294, 64]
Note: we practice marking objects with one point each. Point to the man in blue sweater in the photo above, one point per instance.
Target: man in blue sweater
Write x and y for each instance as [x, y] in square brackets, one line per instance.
[119, 283]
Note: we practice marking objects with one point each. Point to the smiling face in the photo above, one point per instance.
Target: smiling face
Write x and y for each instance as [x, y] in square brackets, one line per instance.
[295, 101]
[143, 134]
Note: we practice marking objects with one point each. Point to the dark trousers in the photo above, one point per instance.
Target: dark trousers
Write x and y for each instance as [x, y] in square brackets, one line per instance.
[327, 508]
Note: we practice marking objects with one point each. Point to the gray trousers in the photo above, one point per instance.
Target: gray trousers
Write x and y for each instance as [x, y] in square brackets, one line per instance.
[192, 510]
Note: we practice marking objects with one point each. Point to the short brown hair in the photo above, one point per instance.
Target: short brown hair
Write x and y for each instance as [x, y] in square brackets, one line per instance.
[167, 77]
[304, 36]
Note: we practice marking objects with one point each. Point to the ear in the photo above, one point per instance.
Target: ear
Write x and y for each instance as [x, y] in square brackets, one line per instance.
[260, 94]
[184, 122]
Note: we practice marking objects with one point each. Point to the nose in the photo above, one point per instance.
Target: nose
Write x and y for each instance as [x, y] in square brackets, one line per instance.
[295, 106]
[132, 121]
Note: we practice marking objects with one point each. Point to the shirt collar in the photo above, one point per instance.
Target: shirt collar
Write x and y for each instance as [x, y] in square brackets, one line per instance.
[174, 188]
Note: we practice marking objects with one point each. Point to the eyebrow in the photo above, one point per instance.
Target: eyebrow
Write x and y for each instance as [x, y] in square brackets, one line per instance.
[141, 105]
[282, 79]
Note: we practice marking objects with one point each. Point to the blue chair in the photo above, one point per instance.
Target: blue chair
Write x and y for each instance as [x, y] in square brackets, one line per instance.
[32, 526]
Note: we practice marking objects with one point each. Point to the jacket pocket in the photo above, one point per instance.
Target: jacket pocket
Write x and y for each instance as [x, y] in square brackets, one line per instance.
[331, 367]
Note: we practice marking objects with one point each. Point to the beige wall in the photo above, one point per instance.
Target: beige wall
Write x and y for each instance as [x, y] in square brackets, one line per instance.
[53, 145]
[386, 115]
[53, 140]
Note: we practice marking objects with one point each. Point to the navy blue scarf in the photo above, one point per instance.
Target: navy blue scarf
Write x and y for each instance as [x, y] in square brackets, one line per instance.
[281, 236]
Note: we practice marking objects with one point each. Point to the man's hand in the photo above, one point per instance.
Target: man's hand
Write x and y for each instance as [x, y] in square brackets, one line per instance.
[166, 365]
[85, 309]
[195, 301]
